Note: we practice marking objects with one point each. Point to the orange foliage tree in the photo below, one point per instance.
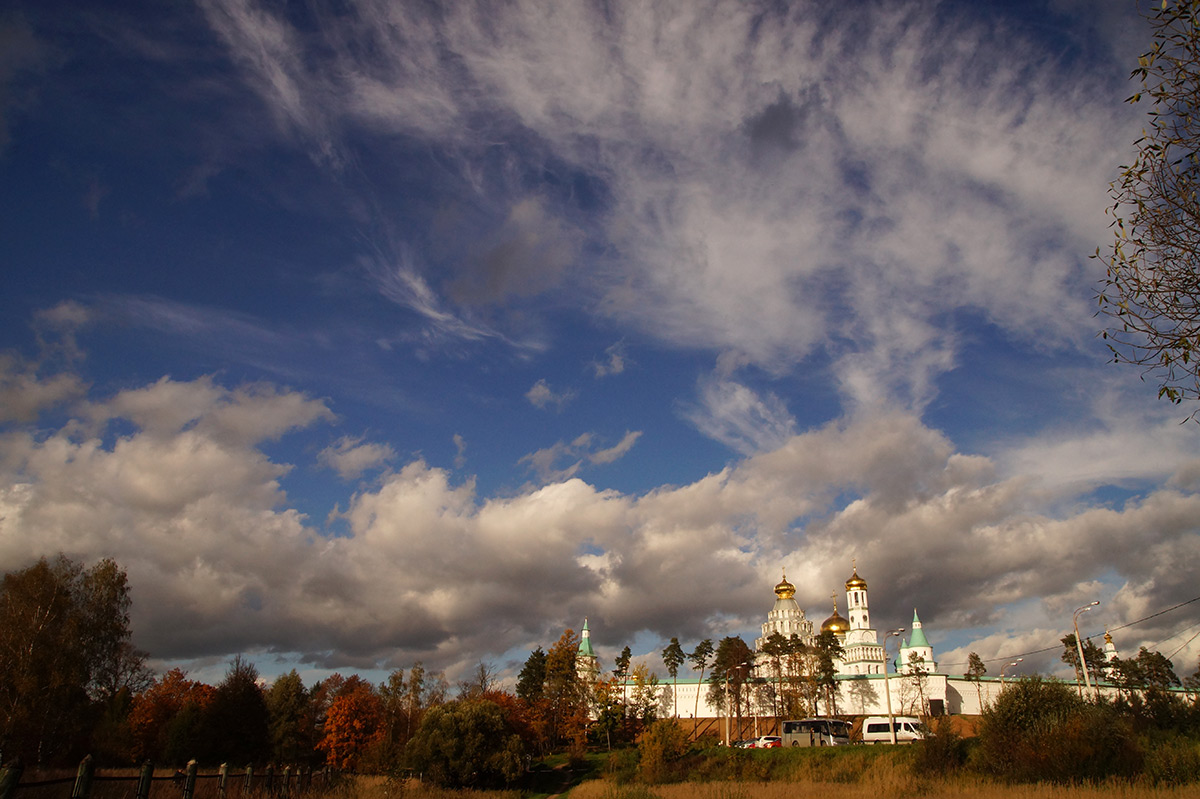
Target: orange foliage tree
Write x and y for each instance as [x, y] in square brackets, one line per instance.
[155, 708]
[353, 724]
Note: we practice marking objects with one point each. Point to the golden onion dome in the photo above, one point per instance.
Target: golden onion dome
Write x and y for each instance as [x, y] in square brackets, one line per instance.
[785, 590]
[835, 624]
[856, 582]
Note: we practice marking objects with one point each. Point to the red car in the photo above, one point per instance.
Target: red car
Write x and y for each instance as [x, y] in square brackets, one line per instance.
[768, 742]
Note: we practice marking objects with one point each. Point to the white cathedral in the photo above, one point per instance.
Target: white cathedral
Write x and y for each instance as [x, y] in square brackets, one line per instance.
[862, 652]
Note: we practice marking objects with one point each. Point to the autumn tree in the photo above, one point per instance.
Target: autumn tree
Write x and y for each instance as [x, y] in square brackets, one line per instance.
[1152, 290]
[482, 681]
[564, 703]
[353, 724]
[674, 657]
[65, 652]
[168, 710]
[643, 707]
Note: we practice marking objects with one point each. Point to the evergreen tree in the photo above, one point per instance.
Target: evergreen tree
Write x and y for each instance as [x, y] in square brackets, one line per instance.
[975, 671]
[531, 681]
[237, 723]
[673, 658]
[699, 659]
[290, 719]
[732, 668]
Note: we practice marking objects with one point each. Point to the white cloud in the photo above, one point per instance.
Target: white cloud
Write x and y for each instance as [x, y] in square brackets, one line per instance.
[193, 508]
[613, 363]
[618, 451]
[350, 457]
[541, 395]
[24, 395]
[760, 197]
[735, 415]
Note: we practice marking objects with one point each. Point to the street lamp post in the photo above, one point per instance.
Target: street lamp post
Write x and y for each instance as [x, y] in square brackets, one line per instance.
[887, 686]
[728, 719]
[1005, 666]
[1079, 642]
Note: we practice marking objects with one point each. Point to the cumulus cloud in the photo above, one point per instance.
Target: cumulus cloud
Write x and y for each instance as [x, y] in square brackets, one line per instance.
[171, 480]
[350, 457]
[24, 395]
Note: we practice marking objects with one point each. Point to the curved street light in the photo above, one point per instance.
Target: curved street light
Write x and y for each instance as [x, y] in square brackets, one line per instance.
[1079, 642]
[1005, 666]
[887, 683]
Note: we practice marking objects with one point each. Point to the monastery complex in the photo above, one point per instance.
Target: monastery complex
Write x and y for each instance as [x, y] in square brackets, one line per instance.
[864, 677]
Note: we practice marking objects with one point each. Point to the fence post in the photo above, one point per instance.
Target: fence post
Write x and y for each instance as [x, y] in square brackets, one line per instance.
[287, 781]
[248, 785]
[189, 780]
[10, 775]
[83, 779]
[269, 778]
[222, 775]
[144, 778]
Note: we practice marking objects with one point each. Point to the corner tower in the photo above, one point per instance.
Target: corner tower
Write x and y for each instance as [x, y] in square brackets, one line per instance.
[587, 665]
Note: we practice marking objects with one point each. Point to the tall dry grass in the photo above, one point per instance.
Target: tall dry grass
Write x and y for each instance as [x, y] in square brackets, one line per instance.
[879, 787]
[883, 780]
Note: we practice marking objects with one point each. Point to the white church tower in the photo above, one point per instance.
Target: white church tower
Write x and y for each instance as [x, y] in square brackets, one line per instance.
[863, 654]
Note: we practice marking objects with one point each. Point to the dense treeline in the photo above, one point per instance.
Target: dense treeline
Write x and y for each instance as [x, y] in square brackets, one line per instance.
[71, 682]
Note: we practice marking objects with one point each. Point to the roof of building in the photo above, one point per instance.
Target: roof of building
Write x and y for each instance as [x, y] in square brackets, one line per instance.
[918, 635]
[784, 589]
[585, 643]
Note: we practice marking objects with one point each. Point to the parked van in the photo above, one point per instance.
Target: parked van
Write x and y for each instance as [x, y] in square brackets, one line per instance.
[816, 732]
[908, 729]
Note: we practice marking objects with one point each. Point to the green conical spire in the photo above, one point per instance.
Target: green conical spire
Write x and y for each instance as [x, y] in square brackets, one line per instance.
[918, 635]
[585, 641]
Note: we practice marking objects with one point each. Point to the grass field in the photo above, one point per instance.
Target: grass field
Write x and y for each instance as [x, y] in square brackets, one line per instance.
[861, 773]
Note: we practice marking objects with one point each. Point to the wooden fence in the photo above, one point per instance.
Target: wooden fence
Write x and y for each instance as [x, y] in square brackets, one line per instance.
[188, 783]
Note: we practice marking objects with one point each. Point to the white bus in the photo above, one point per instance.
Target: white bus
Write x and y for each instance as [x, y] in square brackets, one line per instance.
[816, 732]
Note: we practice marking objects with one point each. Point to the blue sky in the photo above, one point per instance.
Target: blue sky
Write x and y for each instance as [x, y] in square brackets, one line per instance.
[369, 332]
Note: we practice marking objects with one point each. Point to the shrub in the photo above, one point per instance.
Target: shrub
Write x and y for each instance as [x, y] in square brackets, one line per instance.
[466, 744]
[943, 751]
[1172, 762]
[662, 747]
[1041, 730]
